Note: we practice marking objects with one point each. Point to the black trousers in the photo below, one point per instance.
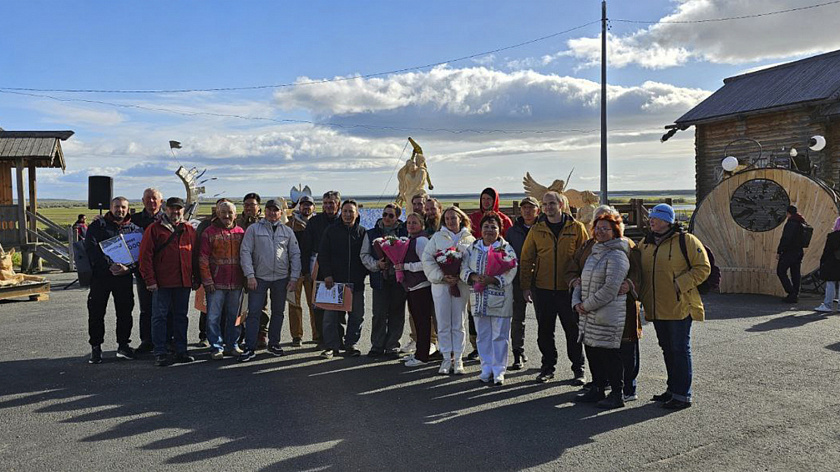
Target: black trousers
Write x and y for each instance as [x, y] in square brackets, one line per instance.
[388, 317]
[607, 367]
[145, 298]
[549, 305]
[517, 324]
[101, 289]
[790, 261]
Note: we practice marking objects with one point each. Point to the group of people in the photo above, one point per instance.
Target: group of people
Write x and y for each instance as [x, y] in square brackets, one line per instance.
[593, 284]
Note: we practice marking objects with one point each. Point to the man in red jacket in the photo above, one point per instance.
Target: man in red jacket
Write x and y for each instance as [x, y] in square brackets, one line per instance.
[166, 267]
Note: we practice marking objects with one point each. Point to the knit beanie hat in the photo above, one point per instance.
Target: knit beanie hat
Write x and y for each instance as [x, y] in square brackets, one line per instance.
[664, 212]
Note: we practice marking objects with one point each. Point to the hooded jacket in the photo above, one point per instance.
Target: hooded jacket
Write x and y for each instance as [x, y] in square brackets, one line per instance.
[339, 255]
[100, 230]
[792, 235]
[171, 266]
[668, 288]
[603, 273]
[218, 260]
[268, 253]
[443, 239]
[475, 217]
[544, 256]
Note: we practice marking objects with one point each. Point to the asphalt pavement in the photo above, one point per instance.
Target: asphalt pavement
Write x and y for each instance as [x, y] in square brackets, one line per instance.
[765, 398]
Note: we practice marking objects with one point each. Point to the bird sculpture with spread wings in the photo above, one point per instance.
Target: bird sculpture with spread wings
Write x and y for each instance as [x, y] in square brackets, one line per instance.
[534, 189]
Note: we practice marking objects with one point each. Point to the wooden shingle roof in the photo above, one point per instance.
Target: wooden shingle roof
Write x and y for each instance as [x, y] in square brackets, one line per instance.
[814, 81]
[41, 148]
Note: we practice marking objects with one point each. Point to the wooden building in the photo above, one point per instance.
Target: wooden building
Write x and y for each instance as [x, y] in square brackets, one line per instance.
[778, 108]
[27, 151]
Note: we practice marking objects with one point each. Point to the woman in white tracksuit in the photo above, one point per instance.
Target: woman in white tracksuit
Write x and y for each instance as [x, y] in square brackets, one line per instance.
[493, 306]
[450, 311]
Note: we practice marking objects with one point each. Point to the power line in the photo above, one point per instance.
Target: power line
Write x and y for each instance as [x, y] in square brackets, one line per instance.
[731, 18]
[309, 122]
[312, 82]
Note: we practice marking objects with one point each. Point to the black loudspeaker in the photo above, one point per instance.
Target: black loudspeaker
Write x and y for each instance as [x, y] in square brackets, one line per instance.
[100, 189]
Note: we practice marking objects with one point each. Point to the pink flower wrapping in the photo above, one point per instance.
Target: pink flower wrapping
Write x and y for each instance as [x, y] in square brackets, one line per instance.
[498, 262]
[395, 249]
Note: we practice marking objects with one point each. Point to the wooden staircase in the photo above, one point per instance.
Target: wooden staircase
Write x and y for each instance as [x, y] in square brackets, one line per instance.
[56, 253]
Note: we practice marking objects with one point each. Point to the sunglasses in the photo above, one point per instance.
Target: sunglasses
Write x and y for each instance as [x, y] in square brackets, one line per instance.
[389, 215]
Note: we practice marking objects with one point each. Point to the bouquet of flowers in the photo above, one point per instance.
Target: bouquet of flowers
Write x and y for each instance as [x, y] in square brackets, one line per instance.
[498, 262]
[449, 260]
[394, 248]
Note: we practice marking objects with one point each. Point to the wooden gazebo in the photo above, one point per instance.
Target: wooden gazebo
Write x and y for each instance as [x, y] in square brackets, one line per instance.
[18, 222]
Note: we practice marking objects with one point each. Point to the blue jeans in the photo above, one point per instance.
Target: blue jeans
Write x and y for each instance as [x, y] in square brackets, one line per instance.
[178, 300]
[223, 305]
[675, 340]
[256, 302]
[332, 320]
[630, 359]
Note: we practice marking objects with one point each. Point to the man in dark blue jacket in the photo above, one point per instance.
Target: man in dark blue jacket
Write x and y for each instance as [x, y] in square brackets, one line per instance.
[529, 210]
[109, 279]
[309, 244]
[790, 253]
[339, 261]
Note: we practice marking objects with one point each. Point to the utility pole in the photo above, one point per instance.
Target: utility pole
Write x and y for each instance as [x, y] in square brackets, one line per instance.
[604, 197]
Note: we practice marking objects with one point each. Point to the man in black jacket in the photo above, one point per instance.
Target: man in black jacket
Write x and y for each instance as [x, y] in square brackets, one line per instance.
[109, 279]
[152, 202]
[790, 253]
[529, 210]
[339, 261]
[309, 244]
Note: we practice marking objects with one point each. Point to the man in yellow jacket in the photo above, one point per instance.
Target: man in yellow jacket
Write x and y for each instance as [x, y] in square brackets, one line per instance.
[550, 244]
[669, 294]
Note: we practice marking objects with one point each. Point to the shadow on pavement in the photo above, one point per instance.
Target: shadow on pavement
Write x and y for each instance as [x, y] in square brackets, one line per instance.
[789, 321]
[313, 414]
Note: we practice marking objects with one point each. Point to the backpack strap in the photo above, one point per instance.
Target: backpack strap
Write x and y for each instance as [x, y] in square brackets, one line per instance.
[684, 250]
[178, 231]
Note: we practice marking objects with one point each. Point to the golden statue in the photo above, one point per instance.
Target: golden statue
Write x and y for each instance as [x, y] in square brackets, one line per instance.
[584, 201]
[413, 176]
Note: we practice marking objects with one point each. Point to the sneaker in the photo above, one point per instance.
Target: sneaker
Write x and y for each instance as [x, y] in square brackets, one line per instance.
[473, 356]
[162, 360]
[545, 376]
[432, 349]
[630, 397]
[329, 354]
[415, 362]
[237, 351]
[790, 299]
[437, 356]
[613, 401]
[674, 404]
[662, 397]
[485, 378]
[145, 347]
[375, 354]
[823, 308]
[499, 381]
[246, 356]
[125, 352]
[262, 341]
[517, 361]
[409, 348]
[458, 367]
[579, 380]
[218, 355]
[353, 352]
[445, 366]
[593, 395]
[95, 355]
[203, 343]
[183, 358]
[296, 342]
[276, 350]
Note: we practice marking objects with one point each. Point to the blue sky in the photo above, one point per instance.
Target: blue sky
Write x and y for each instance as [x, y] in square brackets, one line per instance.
[548, 88]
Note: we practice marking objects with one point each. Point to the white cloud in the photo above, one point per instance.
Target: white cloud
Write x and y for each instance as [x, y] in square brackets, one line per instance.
[669, 43]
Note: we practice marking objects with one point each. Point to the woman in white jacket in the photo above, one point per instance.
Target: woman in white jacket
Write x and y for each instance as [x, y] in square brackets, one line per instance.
[492, 307]
[603, 311]
[450, 311]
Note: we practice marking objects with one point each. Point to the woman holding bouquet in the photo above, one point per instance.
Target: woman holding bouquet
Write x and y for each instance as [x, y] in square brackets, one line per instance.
[419, 289]
[489, 266]
[441, 264]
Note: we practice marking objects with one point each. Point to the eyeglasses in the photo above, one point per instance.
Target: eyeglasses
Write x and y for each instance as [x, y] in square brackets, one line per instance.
[388, 215]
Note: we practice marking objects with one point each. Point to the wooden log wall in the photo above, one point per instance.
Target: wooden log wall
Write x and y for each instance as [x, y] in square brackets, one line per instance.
[6, 183]
[784, 129]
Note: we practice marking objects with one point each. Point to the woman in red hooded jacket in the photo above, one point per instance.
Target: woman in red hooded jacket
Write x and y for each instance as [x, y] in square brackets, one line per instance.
[489, 202]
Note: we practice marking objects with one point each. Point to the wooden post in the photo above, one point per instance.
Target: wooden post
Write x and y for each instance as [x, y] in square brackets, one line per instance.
[33, 200]
[21, 201]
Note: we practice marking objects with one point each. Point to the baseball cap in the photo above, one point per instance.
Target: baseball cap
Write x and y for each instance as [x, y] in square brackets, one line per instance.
[530, 201]
[175, 202]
